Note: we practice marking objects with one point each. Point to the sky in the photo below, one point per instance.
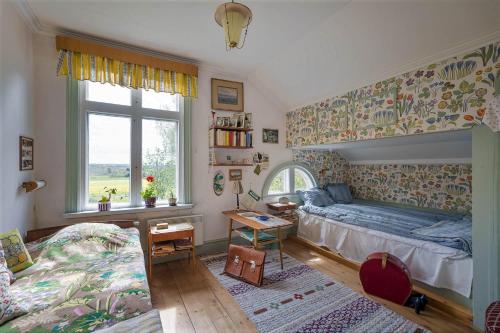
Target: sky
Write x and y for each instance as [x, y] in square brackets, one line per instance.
[109, 136]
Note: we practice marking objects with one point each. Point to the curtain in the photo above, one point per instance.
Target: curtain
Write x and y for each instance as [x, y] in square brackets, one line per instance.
[81, 66]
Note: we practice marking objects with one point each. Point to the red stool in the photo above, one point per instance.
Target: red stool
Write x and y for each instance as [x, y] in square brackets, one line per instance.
[492, 322]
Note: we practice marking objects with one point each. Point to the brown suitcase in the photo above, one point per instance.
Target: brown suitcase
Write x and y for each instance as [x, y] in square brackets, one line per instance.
[245, 264]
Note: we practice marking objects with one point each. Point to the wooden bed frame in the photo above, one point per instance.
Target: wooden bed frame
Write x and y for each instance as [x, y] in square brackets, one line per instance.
[35, 234]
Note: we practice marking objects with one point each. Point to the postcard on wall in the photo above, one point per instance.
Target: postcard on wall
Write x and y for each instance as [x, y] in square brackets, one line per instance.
[270, 135]
[25, 153]
[227, 95]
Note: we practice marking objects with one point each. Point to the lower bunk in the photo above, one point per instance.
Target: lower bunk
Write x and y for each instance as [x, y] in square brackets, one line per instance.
[435, 245]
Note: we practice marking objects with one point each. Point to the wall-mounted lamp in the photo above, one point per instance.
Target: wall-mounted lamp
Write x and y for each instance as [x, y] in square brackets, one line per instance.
[33, 185]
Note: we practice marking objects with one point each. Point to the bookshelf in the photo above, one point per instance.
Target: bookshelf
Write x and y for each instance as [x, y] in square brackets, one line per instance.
[230, 133]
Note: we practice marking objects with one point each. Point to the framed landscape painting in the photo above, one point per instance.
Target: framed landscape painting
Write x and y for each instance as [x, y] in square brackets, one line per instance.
[227, 95]
[25, 153]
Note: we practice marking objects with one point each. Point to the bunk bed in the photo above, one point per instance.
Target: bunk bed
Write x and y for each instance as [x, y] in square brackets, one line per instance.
[435, 245]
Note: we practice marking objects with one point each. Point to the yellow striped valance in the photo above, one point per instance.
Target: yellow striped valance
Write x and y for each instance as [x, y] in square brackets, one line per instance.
[83, 60]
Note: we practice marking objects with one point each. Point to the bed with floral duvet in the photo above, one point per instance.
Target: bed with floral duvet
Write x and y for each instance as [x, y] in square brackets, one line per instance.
[86, 277]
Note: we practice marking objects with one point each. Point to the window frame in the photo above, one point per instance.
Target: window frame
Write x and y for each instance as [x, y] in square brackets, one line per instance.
[136, 113]
[291, 185]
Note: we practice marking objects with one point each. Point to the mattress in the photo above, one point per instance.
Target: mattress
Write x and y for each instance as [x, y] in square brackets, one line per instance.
[430, 262]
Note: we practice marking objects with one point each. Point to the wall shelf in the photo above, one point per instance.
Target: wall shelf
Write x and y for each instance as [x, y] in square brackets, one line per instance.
[238, 129]
[231, 164]
[231, 147]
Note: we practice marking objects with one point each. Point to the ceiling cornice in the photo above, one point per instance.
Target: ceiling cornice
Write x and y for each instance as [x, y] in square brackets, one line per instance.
[38, 27]
[456, 50]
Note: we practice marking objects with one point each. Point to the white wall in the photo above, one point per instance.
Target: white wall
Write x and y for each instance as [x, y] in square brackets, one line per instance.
[266, 114]
[50, 126]
[16, 118]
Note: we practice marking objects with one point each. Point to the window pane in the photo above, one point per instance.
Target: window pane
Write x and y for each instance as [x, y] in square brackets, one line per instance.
[109, 157]
[107, 93]
[159, 156]
[159, 101]
[302, 180]
[280, 183]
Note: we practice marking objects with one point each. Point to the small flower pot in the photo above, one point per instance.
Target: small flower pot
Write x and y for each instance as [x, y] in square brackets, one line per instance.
[150, 202]
[104, 206]
[172, 201]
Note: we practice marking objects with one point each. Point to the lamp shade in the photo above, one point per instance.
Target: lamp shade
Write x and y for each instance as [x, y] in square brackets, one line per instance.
[237, 187]
[233, 17]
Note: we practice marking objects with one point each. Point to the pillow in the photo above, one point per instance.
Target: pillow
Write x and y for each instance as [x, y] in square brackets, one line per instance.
[340, 193]
[18, 258]
[3, 262]
[317, 197]
[9, 308]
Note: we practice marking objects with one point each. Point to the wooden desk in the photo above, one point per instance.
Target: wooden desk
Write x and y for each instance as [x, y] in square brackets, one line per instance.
[257, 226]
[174, 231]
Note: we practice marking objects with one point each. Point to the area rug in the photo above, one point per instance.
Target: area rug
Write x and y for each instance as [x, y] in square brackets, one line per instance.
[302, 299]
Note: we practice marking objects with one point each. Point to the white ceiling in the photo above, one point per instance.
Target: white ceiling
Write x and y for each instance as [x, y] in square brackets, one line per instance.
[296, 51]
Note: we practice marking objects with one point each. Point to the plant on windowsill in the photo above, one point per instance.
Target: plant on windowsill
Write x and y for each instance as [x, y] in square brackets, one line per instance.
[149, 194]
[104, 204]
[172, 201]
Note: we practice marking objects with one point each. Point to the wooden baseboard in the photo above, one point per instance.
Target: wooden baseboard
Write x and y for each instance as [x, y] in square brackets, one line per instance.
[436, 301]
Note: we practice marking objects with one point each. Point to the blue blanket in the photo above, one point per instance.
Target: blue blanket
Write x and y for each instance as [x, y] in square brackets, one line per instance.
[408, 222]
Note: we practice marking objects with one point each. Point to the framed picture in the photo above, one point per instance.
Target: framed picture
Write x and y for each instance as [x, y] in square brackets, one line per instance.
[227, 95]
[235, 174]
[270, 135]
[25, 153]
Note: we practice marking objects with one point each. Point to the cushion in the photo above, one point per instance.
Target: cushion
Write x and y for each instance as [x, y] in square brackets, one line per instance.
[317, 197]
[3, 262]
[18, 258]
[340, 193]
[9, 308]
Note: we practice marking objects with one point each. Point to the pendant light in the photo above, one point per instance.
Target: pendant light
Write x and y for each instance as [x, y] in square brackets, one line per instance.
[233, 17]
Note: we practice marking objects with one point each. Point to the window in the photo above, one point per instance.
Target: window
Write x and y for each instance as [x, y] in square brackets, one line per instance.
[287, 179]
[127, 135]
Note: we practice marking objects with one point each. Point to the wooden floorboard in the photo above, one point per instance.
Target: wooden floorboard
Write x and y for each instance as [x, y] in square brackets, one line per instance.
[192, 300]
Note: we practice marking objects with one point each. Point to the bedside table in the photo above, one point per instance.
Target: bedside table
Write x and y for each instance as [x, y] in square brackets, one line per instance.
[284, 211]
[161, 242]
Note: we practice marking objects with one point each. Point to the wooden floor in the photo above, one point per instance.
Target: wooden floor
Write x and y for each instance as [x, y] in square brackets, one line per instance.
[194, 301]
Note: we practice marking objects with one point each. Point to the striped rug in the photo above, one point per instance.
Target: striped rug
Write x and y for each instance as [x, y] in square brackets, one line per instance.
[302, 299]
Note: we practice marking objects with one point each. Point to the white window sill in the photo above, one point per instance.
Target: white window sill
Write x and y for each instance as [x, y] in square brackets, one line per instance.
[128, 210]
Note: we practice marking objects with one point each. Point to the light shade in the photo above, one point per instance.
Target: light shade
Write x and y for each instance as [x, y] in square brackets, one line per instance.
[233, 17]
[237, 187]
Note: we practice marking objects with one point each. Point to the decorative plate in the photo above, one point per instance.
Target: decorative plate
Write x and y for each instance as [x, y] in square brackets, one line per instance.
[218, 182]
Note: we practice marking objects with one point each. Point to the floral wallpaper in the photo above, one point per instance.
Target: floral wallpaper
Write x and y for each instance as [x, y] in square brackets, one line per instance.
[327, 166]
[443, 186]
[450, 95]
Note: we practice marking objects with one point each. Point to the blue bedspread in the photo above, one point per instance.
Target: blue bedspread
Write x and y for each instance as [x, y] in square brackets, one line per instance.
[406, 222]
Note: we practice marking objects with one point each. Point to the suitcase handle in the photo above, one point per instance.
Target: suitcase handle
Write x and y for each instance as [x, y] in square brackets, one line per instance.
[384, 260]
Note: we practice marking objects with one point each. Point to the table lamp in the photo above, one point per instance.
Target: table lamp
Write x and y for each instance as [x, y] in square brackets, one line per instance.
[237, 189]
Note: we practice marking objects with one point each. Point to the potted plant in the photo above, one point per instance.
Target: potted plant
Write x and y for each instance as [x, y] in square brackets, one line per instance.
[172, 201]
[149, 194]
[104, 204]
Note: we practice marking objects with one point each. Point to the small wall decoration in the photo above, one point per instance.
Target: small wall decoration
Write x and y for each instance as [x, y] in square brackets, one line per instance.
[227, 95]
[218, 183]
[25, 153]
[235, 174]
[261, 162]
[249, 200]
[270, 135]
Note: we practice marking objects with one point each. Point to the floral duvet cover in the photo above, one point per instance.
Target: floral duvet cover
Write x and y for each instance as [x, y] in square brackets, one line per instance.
[85, 277]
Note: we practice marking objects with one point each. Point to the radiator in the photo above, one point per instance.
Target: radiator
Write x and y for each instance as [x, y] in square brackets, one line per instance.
[195, 220]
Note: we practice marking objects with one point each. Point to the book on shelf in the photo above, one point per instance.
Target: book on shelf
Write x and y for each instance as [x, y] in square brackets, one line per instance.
[219, 137]
[183, 244]
[163, 247]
